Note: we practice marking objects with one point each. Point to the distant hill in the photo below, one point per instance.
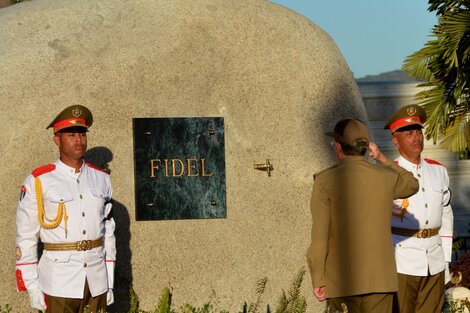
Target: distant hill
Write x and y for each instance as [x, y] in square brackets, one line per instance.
[393, 76]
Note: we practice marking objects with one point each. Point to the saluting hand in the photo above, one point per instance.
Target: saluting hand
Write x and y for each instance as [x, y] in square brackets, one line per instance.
[376, 154]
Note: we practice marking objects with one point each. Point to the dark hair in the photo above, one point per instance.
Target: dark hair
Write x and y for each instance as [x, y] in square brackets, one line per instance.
[409, 127]
[74, 129]
[359, 148]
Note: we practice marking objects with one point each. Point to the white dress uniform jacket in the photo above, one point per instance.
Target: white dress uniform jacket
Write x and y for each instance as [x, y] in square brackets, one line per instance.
[86, 196]
[429, 208]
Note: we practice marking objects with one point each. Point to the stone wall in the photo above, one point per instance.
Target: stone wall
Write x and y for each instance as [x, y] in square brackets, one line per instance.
[276, 78]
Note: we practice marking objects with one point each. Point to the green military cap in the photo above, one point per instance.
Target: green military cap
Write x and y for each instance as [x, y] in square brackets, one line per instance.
[351, 132]
[73, 116]
[408, 115]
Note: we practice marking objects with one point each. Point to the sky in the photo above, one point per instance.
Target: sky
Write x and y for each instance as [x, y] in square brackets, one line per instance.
[374, 36]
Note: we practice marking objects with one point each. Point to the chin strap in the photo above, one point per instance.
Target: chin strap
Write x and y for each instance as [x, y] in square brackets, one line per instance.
[61, 212]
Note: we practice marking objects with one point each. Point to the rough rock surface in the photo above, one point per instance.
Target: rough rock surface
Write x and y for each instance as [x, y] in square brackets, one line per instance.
[278, 80]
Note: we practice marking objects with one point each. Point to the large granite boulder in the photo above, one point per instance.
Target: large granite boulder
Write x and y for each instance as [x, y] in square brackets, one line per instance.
[276, 78]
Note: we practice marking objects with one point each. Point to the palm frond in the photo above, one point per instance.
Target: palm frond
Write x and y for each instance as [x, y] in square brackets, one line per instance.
[294, 290]
[300, 306]
[262, 285]
[443, 6]
[444, 66]
[282, 303]
[164, 303]
[457, 135]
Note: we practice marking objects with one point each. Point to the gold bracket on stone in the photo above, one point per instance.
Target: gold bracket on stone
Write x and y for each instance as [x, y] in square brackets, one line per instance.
[268, 167]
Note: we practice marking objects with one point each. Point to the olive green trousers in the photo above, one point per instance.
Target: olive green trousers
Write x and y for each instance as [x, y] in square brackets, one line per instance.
[367, 303]
[419, 294]
[68, 305]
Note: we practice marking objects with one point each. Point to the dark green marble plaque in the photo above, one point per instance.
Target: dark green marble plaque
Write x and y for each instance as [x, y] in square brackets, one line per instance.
[179, 168]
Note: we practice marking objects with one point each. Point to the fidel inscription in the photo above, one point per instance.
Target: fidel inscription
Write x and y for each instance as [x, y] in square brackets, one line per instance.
[179, 168]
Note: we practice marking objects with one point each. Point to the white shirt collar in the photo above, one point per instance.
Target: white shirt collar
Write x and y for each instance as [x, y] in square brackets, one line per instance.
[68, 169]
[409, 165]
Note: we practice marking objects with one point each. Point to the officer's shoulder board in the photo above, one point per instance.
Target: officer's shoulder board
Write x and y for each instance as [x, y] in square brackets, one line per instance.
[429, 161]
[96, 168]
[43, 170]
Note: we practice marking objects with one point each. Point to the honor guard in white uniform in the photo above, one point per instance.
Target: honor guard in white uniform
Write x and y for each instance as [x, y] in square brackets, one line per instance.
[422, 225]
[67, 205]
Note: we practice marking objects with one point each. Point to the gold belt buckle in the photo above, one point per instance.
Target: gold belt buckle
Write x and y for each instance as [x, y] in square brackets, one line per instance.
[425, 233]
[83, 245]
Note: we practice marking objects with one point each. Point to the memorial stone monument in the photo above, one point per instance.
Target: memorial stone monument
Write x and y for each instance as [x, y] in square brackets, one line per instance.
[276, 79]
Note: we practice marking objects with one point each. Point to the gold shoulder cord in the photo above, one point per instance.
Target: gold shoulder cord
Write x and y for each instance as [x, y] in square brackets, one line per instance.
[61, 212]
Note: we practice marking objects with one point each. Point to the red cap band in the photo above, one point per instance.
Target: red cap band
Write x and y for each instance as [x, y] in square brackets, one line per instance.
[409, 120]
[75, 121]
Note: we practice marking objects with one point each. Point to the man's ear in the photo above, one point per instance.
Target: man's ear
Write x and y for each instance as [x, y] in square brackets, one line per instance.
[395, 140]
[56, 140]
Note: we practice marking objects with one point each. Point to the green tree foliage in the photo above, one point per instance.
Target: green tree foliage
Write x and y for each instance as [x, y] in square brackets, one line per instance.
[444, 67]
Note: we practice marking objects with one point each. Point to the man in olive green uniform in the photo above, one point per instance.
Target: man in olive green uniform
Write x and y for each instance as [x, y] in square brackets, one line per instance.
[351, 257]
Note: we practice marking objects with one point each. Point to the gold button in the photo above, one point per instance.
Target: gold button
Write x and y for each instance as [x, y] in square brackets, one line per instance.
[81, 197]
[83, 214]
[84, 232]
[426, 205]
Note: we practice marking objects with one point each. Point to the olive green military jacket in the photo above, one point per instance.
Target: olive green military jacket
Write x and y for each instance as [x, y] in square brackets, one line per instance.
[351, 250]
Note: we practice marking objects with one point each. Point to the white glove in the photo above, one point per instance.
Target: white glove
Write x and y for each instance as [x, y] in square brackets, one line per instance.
[110, 297]
[36, 298]
[447, 274]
